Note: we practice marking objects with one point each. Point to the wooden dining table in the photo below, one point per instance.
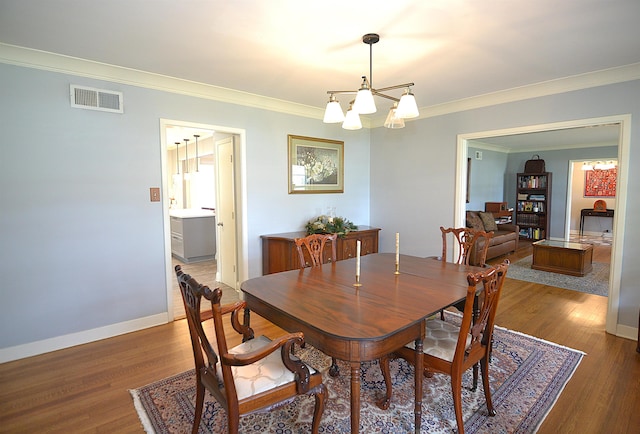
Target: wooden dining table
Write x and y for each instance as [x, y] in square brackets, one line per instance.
[361, 323]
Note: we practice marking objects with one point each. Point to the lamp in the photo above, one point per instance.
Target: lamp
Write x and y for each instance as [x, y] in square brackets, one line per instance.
[196, 136]
[351, 120]
[599, 165]
[405, 107]
[186, 159]
[393, 121]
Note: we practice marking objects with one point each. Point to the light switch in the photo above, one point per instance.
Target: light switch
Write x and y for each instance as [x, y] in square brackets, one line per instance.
[154, 193]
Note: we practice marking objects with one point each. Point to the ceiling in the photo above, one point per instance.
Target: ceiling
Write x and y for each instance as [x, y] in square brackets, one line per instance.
[296, 50]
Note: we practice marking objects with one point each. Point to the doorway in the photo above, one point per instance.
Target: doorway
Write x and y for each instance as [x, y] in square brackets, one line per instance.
[193, 184]
[624, 122]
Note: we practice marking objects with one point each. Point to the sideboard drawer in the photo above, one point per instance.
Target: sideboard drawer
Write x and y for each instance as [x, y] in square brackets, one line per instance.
[279, 252]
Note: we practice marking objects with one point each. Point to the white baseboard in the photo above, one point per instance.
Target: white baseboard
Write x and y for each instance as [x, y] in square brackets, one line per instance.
[83, 337]
[628, 332]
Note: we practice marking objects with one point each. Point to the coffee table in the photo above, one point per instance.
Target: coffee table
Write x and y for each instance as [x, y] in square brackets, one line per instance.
[562, 257]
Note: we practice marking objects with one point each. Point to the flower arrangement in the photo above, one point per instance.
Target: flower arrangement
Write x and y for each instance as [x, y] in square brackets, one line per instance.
[330, 225]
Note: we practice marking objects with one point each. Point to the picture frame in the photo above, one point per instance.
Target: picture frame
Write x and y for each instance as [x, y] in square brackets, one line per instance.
[315, 165]
[600, 183]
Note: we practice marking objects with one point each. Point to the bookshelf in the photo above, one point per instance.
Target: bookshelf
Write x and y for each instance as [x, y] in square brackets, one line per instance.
[533, 203]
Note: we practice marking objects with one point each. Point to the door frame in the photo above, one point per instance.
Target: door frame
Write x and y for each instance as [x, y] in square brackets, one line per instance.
[617, 248]
[241, 225]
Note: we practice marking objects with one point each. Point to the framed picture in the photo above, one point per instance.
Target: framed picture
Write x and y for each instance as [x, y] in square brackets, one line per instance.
[315, 165]
[600, 183]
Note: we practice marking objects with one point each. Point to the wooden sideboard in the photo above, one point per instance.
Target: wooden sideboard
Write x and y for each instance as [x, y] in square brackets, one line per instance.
[279, 251]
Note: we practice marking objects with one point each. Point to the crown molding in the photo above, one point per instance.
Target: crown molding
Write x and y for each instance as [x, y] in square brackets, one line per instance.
[47, 61]
[30, 58]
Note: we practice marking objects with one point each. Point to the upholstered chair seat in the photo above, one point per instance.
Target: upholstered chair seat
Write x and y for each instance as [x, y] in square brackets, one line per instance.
[259, 377]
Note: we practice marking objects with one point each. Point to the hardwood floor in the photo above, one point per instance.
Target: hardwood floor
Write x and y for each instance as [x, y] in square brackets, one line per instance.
[205, 273]
[85, 388]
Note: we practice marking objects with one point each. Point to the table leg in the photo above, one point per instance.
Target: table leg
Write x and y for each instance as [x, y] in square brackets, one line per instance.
[419, 373]
[355, 397]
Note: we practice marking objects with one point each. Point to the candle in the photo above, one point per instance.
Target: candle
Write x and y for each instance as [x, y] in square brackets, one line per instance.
[397, 248]
[358, 258]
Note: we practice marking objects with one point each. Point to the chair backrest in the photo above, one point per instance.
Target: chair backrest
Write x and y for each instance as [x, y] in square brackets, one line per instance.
[465, 239]
[314, 245]
[488, 295]
[205, 356]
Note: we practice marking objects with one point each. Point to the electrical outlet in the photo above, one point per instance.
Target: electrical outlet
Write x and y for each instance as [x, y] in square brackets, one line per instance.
[478, 155]
[154, 193]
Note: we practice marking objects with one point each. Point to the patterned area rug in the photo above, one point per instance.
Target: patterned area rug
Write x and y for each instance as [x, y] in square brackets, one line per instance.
[527, 376]
[596, 282]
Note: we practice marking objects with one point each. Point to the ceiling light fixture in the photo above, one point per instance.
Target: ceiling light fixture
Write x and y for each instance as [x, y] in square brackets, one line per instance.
[404, 107]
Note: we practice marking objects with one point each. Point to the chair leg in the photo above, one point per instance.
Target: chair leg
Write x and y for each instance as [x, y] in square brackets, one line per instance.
[475, 378]
[321, 398]
[456, 390]
[386, 374]
[199, 404]
[484, 364]
[334, 370]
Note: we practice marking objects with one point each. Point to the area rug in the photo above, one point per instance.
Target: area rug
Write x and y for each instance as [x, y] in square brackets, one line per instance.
[526, 375]
[596, 282]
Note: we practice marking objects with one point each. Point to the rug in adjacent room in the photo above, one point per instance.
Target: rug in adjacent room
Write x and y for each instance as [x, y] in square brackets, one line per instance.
[596, 282]
[527, 375]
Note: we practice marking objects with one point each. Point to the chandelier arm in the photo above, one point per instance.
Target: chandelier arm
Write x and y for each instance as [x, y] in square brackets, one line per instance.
[339, 92]
[397, 86]
[392, 98]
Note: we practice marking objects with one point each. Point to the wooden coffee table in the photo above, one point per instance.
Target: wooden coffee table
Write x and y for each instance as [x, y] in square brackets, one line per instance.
[562, 257]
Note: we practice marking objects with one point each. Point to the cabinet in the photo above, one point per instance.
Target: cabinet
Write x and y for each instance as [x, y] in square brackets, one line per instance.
[193, 237]
[279, 251]
[533, 205]
[499, 211]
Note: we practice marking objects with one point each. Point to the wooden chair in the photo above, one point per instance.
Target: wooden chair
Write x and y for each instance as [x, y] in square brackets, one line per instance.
[314, 245]
[466, 239]
[451, 349]
[251, 376]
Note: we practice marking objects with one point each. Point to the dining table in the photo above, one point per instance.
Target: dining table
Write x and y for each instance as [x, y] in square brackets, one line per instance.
[358, 323]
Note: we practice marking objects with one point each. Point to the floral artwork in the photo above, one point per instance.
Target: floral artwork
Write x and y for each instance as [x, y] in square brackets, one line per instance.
[315, 165]
[600, 183]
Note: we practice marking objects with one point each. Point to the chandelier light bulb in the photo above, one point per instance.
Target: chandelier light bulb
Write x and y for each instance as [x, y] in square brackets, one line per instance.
[333, 113]
[364, 103]
[393, 121]
[407, 107]
[352, 120]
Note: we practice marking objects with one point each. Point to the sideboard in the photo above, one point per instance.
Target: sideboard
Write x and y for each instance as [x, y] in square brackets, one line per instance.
[279, 251]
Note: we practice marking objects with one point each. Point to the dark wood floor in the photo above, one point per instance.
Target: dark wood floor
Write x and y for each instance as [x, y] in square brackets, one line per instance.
[85, 388]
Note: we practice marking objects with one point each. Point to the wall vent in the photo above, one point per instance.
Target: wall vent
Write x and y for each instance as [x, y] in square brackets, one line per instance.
[96, 99]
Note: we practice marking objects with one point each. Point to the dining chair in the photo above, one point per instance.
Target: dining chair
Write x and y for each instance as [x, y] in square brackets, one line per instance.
[251, 376]
[464, 240]
[314, 245]
[452, 349]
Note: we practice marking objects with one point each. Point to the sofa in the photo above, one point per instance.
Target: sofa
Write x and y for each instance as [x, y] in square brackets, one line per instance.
[504, 240]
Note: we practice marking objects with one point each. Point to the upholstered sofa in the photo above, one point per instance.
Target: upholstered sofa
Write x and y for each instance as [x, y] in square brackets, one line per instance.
[505, 235]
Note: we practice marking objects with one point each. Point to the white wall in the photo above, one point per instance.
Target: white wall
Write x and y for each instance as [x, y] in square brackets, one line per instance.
[413, 173]
[81, 246]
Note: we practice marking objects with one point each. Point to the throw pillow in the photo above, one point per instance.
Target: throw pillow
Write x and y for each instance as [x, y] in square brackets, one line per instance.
[474, 221]
[489, 221]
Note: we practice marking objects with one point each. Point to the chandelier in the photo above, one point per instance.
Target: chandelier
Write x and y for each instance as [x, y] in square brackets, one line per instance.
[403, 108]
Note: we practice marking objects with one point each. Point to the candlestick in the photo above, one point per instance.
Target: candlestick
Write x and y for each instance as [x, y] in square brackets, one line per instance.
[358, 258]
[397, 253]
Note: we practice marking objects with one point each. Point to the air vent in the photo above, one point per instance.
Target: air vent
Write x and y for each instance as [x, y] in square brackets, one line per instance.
[96, 99]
